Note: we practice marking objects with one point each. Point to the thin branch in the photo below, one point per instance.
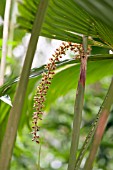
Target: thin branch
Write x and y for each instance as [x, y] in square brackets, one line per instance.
[11, 27]
[88, 139]
[5, 38]
[16, 111]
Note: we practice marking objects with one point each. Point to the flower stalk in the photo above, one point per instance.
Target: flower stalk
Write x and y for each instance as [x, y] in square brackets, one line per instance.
[78, 105]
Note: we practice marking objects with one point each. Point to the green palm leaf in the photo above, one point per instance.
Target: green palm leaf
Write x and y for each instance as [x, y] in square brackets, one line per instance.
[102, 10]
[96, 71]
[68, 20]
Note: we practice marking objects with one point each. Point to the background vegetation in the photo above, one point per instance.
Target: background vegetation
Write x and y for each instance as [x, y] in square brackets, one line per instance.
[67, 21]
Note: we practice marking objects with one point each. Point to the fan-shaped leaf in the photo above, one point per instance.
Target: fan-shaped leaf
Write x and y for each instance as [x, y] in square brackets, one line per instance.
[67, 20]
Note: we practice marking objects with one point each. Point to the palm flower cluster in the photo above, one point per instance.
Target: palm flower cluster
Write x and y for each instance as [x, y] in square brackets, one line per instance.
[47, 76]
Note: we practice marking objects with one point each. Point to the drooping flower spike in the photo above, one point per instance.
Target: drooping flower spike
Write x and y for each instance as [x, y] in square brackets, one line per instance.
[43, 87]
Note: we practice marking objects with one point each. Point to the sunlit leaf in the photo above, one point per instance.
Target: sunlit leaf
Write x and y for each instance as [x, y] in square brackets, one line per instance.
[68, 78]
[6, 99]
